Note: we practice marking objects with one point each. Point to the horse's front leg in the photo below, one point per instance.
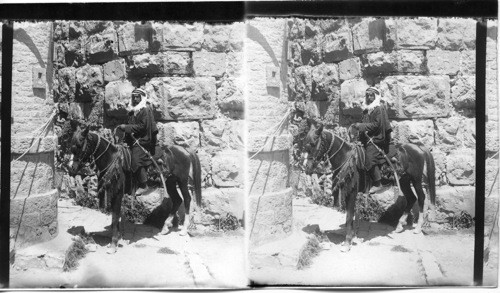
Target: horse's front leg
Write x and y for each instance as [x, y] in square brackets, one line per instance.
[115, 222]
[350, 205]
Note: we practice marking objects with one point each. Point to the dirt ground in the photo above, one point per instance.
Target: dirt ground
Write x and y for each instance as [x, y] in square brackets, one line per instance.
[379, 257]
[144, 259]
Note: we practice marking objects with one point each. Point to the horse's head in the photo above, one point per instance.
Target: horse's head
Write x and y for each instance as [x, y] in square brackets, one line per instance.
[311, 146]
[79, 148]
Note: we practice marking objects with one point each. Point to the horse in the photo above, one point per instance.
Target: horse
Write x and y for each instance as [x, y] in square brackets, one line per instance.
[347, 163]
[115, 177]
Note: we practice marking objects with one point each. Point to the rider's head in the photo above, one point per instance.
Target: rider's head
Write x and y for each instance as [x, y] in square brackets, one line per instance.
[137, 96]
[371, 94]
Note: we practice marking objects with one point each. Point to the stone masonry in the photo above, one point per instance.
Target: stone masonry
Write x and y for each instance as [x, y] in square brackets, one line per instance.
[33, 196]
[425, 69]
[268, 142]
[192, 73]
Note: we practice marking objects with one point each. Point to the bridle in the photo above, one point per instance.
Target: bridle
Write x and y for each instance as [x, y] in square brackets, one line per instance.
[92, 157]
[329, 157]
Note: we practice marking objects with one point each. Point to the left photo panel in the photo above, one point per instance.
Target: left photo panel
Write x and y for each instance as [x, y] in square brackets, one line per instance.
[127, 155]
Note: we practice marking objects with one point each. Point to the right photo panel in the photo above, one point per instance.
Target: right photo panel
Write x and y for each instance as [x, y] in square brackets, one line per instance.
[362, 151]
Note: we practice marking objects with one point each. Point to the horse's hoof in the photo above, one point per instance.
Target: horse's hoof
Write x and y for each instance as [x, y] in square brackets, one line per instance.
[183, 233]
[165, 230]
[345, 248]
[111, 250]
[399, 229]
[417, 231]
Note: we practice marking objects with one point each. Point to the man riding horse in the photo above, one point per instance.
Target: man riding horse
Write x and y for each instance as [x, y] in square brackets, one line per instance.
[375, 134]
[140, 135]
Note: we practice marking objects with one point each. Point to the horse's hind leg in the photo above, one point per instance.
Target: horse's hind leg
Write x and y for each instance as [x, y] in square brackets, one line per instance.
[176, 202]
[183, 185]
[421, 200]
[410, 197]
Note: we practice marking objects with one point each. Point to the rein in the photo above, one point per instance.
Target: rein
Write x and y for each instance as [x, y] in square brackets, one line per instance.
[329, 157]
[94, 159]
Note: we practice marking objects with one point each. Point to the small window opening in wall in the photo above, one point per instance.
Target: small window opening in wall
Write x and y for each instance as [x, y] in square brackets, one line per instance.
[39, 75]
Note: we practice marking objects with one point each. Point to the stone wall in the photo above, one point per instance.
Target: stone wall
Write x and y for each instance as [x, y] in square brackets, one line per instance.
[425, 69]
[268, 141]
[192, 73]
[33, 197]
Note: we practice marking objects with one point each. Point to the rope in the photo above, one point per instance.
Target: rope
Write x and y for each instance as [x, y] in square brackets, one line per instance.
[273, 134]
[41, 129]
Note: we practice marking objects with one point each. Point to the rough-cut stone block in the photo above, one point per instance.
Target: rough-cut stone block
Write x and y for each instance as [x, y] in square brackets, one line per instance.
[296, 28]
[294, 53]
[178, 98]
[391, 36]
[456, 34]
[117, 98]
[209, 63]
[102, 47]
[227, 169]
[460, 166]
[21, 144]
[221, 134]
[237, 35]
[66, 79]
[179, 35]
[463, 94]
[271, 215]
[368, 35]
[115, 70]
[74, 53]
[325, 82]
[419, 132]
[177, 63]
[492, 136]
[352, 93]
[89, 83]
[32, 174]
[147, 64]
[134, 38]
[350, 69]
[411, 61]
[310, 51]
[443, 62]
[381, 63]
[418, 32]
[216, 38]
[492, 95]
[34, 219]
[418, 96]
[223, 201]
[455, 132]
[234, 64]
[337, 46]
[230, 99]
[451, 201]
[303, 83]
[185, 134]
[467, 62]
[264, 143]
[61, 30]
[268, 171]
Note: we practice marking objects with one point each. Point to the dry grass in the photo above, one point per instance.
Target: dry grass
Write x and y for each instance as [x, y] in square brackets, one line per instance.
[308, 252]
[75, 252]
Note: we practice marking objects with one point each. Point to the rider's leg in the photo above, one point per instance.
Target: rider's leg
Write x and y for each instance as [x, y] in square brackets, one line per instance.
[376, 179]
[142, 179]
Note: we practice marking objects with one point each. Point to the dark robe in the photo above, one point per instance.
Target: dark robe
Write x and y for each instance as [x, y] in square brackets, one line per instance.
[376, 124]
[143, 127]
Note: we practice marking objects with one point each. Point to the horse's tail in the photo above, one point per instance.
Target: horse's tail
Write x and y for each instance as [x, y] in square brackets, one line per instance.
[195, 161]
[431, 174]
